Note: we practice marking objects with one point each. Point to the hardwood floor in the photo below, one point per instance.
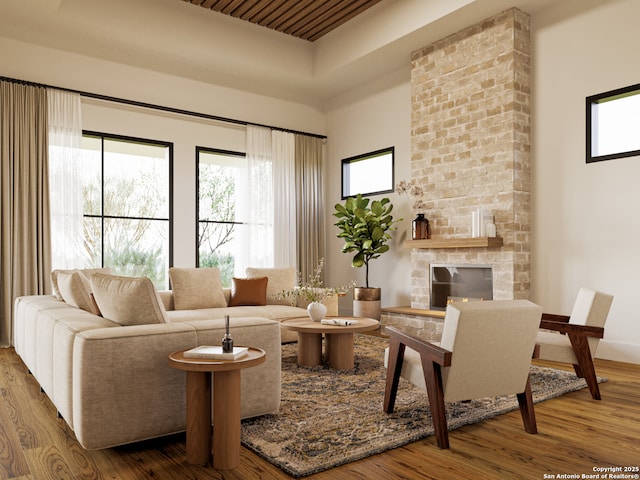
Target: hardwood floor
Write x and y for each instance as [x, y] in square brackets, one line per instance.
[575, 435]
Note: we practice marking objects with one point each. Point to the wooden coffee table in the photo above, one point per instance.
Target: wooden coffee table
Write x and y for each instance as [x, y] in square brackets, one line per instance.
[338, 340]
[226, 406]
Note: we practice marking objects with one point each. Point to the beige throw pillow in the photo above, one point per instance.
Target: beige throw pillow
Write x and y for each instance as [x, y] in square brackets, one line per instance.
[86, 271]
[75, 289]
[195, 288]
[128, 300]
[279, 279]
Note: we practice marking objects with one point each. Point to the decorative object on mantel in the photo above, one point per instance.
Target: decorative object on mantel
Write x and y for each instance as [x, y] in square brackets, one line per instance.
[420, 229]
[314, 292]
[482, 223]
[365, 230]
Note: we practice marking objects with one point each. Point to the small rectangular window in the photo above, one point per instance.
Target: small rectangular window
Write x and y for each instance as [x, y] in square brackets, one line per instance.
[612, 124]
[368, 174]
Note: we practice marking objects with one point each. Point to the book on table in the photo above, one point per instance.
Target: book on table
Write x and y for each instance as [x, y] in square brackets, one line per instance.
[216, 353]
[343, 322]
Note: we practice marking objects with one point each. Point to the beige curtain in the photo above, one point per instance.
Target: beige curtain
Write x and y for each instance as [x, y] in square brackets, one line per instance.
[310, 201]
[25, 256]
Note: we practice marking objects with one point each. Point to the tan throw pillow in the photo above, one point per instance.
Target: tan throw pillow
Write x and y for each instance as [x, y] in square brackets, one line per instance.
[248, 291]
[87, 272]
[128, 300]
[279, 279]
[195, 288]
[75, 289]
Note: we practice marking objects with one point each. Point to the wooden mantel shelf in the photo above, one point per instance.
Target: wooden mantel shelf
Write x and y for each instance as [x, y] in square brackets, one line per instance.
[479, 242]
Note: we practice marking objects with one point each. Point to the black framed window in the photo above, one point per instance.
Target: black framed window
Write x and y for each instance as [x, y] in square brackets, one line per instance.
[612, 124]
[222, 210]
[368, 174]
[128, 196]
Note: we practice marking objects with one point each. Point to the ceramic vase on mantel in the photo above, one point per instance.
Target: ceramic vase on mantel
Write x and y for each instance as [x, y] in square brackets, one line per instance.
[366, 302]
[316, 311]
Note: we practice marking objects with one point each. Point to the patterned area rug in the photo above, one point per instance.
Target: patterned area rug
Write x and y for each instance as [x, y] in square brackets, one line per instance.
[328, 418]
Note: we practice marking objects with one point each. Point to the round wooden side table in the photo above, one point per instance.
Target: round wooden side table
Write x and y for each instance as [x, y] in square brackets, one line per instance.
[338, 340]
[226, 406]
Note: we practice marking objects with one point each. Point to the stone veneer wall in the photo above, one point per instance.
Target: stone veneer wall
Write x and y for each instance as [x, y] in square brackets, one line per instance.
[471, 147]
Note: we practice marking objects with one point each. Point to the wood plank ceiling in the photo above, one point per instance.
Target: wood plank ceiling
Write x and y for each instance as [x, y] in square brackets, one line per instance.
[306, 19]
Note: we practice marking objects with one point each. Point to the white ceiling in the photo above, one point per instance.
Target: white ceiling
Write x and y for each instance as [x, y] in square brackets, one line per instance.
[189, 41]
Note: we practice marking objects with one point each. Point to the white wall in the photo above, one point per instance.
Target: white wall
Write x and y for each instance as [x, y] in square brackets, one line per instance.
[375, 116]
[586, 230]
[26, 61]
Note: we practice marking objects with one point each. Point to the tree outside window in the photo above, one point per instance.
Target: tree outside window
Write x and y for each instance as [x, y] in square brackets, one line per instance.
[126, 206]
[222, 218]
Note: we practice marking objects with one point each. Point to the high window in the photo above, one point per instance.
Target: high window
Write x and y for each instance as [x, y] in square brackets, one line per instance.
[612, 124]
[222, 211]
[127, 204]
[368, 174]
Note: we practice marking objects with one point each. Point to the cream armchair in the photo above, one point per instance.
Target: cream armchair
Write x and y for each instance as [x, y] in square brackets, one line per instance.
[486, 350]
[574, 339]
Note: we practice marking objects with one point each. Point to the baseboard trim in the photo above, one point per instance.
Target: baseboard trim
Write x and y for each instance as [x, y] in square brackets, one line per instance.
[619, 351]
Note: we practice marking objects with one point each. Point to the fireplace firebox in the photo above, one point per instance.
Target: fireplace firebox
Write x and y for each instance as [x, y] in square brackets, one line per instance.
[451, 283]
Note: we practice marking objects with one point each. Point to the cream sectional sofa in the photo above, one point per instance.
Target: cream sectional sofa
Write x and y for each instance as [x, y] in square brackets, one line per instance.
[111, 381]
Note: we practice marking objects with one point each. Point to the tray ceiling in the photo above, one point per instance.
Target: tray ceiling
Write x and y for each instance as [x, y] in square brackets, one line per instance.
[306, 19]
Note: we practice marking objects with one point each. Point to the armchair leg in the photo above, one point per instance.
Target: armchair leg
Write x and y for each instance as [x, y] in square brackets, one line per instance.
[525, 401]
[433, 380]
[394, 368]
[585, 368]
[578, 370]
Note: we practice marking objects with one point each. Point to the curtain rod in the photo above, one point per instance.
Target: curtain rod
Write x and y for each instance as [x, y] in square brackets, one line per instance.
[160, 107]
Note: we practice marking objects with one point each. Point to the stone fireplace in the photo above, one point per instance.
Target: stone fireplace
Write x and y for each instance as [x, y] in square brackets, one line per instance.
[470, 148]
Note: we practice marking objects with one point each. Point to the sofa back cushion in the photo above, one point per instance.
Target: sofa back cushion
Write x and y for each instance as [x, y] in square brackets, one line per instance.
[86, 271]
[195, 288]
[75, 289]
[279, 279]
[128, 300]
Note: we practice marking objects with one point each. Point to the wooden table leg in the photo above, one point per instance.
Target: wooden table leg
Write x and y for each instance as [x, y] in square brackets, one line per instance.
[226, 419]
[309, 349]
[340, 350]
[198, 417]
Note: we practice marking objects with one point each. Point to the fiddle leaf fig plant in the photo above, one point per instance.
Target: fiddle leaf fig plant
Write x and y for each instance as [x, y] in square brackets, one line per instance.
[365, 229]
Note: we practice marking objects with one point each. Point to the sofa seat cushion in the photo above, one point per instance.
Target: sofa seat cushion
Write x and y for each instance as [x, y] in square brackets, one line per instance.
[272, 312]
